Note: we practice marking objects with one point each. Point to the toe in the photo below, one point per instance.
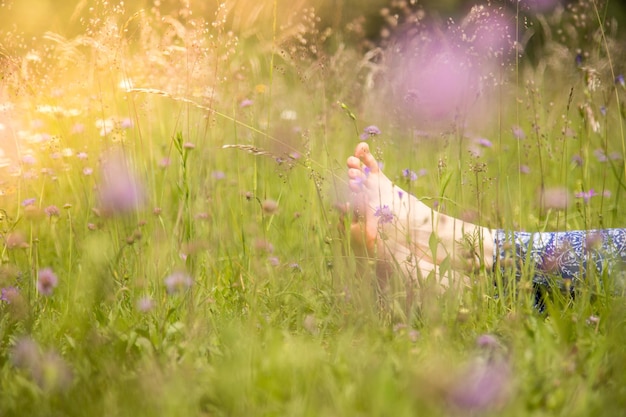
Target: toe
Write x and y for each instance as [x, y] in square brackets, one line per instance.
[361, 149]
[354, 162]
[363, 153]
[356, 184]
[354, 173]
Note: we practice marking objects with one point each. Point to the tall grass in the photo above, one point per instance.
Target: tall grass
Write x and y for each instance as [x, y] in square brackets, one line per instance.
[169, 178]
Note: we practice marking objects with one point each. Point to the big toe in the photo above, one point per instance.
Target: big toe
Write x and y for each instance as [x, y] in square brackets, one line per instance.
[363, 153]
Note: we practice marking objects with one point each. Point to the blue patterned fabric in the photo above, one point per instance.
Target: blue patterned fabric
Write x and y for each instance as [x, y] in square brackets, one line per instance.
[566, 255]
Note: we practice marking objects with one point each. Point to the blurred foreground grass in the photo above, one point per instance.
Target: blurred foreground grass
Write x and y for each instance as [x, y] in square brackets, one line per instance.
[147, 270]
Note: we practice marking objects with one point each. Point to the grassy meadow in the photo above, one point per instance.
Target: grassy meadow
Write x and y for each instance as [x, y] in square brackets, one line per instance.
[171, 182]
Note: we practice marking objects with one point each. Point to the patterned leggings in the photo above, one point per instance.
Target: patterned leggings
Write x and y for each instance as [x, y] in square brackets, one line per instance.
[565, 255]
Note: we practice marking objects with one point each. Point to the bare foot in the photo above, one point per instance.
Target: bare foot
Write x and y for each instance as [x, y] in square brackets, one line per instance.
[394, 227]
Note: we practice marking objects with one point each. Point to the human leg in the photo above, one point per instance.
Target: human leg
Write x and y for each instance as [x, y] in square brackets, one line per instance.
[392, 226]
[568, 255]
[395, 228]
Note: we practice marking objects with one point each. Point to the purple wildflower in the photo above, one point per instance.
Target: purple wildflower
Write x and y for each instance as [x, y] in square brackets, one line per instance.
[46, 281]
[620, 80]
[370, 131]
[295, 267]
[28, 202]
[25, 353]
[121, 191]
[578, 160]
[600, 155]
[246, 103]
[579, 59]
[484, 142]
[586, 195]
[487, 341]
[145, 304]
[384, 214]
[52, 211]
[408, 174]
[482, 386]
[8, 294]
[524, 169]
[177, 282]
[16, 240]
[218, 175]
[126, 123]
[47, 369]
[518, 132]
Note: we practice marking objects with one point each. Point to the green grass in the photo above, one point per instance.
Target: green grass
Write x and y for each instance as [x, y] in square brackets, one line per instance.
[277, 319]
